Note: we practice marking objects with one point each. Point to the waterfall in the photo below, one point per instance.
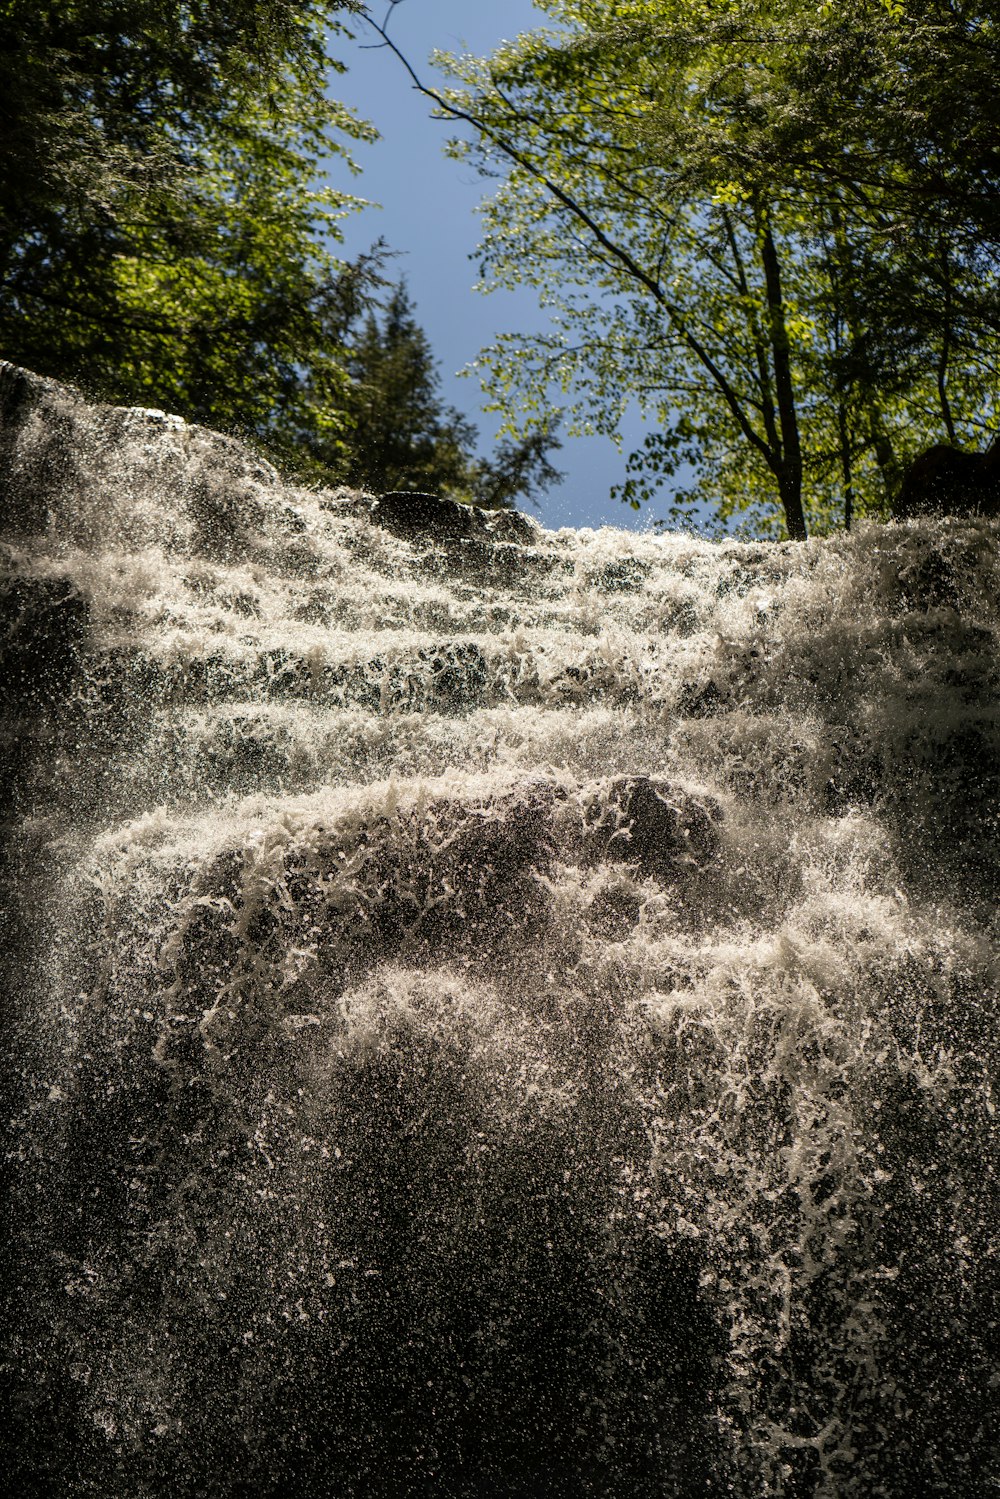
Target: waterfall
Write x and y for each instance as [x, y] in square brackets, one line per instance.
[487, 1011]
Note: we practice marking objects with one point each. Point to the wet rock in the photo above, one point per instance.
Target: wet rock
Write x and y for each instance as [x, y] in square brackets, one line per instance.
[479, 888]
[754, 566]
[494, 562]
[411, 514]
[947, 481]
[43, 626]
[727, 684]
[623, 575]
[508, 525]
[36, 447]
[448, 879]
[702, 699]
[227, 516]
[615, 911]
[43, 622]
[414, 515]
[650, 822]
[101, 474]
[459, 674]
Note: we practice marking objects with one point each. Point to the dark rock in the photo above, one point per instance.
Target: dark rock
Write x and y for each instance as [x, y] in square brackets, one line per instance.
[18, 393]
[947, 481]
[652, 823]
[35, 447]
[227, 516]
[459, 674]
[508, 525]
[411, 514]
[624, 575]
[701, 699]
[42, 626]
[451, 878]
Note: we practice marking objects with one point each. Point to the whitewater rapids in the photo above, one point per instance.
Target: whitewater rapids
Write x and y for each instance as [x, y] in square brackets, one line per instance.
[487, 1012]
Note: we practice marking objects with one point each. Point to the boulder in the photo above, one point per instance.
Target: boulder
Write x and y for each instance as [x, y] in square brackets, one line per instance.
[944, 480]
[652, 822]
[415, 515]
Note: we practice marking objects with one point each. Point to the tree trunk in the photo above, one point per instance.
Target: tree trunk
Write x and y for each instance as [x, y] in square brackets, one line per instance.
[942, 368]
[789, 470]
[790, 490]
[846, 466]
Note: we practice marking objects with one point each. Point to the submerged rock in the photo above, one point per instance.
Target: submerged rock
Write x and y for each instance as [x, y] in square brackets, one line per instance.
[651, 822]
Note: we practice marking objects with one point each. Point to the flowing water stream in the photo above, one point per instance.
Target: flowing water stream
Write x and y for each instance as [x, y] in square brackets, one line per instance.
[487, 1012]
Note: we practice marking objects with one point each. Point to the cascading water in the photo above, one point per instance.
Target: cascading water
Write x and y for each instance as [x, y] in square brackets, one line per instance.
[488, 1012]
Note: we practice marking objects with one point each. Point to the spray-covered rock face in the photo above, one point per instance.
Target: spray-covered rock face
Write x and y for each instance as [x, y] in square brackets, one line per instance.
[486, 1011]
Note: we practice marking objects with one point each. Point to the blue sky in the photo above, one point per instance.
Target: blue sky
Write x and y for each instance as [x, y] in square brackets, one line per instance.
[428, 216]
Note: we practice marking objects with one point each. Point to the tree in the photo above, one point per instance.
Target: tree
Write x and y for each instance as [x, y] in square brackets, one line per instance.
[399, 433]
[883, 116]
[691, 261]
[164, 236]
[892, 100]
[402, 435]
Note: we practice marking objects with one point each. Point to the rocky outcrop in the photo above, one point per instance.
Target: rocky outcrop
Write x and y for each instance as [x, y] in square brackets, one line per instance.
[651, 822]
[413, 515]
[944, 480]
[481, 1009]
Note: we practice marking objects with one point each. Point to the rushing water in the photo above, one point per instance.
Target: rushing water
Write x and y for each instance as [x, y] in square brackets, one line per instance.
[493, 1014]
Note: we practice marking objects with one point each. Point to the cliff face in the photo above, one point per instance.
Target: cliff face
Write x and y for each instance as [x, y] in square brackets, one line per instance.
[487, 1011]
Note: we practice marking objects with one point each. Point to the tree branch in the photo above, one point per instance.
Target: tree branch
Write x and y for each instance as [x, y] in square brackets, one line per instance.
[617, 252]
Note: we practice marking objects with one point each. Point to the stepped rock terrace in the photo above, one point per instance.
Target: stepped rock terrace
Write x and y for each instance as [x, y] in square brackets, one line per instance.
[487, 1011]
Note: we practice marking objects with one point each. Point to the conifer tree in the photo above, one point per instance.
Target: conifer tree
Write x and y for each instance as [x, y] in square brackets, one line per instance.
[402, 435]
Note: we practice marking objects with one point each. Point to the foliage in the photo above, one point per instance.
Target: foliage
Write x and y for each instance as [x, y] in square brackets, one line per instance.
[718, 202]
[400, 435]
[878, 117]
[164, 236]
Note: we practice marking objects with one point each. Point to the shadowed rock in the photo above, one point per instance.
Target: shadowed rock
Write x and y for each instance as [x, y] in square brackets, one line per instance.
[42, 626]
[413, 515]
[947, 481]
[651, 822]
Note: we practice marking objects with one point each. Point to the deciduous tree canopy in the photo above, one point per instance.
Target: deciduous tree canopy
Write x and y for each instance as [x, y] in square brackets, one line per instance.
[761, 221]
[165, 235]
[168, 237]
